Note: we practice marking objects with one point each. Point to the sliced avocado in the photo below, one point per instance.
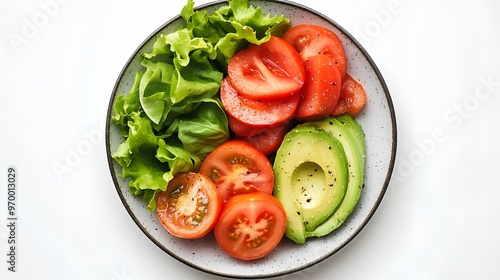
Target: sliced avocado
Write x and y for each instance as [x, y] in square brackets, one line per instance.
[356, 131]
[310, 171]
[349, 133]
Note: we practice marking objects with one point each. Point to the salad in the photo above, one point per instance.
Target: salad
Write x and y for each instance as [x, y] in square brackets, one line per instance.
[211, 127]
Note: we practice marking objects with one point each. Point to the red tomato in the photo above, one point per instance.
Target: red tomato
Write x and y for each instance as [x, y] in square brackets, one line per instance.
[352, 97]
[242, 130]
[256, 113]
[190, 206]
[269, 140]
[250, 226]
[270, 70]
[309, 40]
[238, 167]
[321, 90]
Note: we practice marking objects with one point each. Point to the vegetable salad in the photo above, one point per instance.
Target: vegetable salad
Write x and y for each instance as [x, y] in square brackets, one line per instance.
[172, 117]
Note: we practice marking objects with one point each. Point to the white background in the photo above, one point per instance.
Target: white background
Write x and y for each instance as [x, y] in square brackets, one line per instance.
[438, 220]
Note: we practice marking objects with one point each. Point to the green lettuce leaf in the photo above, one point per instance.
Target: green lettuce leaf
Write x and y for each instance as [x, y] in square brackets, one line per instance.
[244, 24]
[221, 34]
[160, 48]
[198, 78]
[140, 136]
[146, 175]
[124, 106]
[172, 118]
[182, 43]
[137, 156]
[203, 130]
[175, 156]
[154, 89]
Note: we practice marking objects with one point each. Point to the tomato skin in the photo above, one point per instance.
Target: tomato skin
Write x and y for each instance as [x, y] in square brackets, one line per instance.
[321, 91]
[271, 70]
[352, 97]
[269, 140]
[255, 113]
[242, 130]
[266, 139]
[238, 167]
[250, 226]
[190, 206]
[309, 40]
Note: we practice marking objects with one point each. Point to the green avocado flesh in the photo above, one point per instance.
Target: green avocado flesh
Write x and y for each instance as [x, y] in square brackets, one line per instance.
[357, 133]
[310, 171]
[352, 140]
[319, 172]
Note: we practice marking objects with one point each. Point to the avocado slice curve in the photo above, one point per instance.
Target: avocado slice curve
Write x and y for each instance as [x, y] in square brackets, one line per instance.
[350, 134]
[311, 178]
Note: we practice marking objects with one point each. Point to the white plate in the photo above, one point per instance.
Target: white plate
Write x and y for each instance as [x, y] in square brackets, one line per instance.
[379, 125]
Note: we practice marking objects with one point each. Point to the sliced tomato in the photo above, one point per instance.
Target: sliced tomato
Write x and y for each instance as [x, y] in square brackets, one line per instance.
[321, 91]
[309, 40]
[250, 226]
[269, 140]
[238, 167]
[242, 130]
[270, 70]
[266, 139]
[255, 113]
[352, 97]
[190, 206]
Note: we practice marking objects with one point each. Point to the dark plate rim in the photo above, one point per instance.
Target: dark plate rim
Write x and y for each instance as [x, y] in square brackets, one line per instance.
[290, 271]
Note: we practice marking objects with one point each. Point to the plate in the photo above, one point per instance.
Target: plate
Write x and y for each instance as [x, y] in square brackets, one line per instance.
[379, 125]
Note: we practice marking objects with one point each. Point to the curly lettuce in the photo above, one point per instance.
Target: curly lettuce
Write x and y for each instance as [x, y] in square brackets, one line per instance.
[172, 117]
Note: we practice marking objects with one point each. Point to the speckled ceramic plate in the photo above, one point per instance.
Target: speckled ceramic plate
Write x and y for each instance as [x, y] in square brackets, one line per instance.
[377, 119]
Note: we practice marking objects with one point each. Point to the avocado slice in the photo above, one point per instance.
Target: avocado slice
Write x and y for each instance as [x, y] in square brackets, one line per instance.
[356, 131]
[350, 134]
[310, 171]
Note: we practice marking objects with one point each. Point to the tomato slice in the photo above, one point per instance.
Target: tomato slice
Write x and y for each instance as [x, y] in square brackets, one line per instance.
[309, 40]
[270, 70]
[352, 97]
[250, 226]
[266, 139]
[190, 206]
[321, 91]
[242, 130]
[269, 140]
[238, 167]
[255, 113]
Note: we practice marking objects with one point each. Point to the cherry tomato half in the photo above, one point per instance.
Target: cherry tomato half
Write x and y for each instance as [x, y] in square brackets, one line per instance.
[238, 167]
[190, 206]
[271, 70]
[251, 225]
